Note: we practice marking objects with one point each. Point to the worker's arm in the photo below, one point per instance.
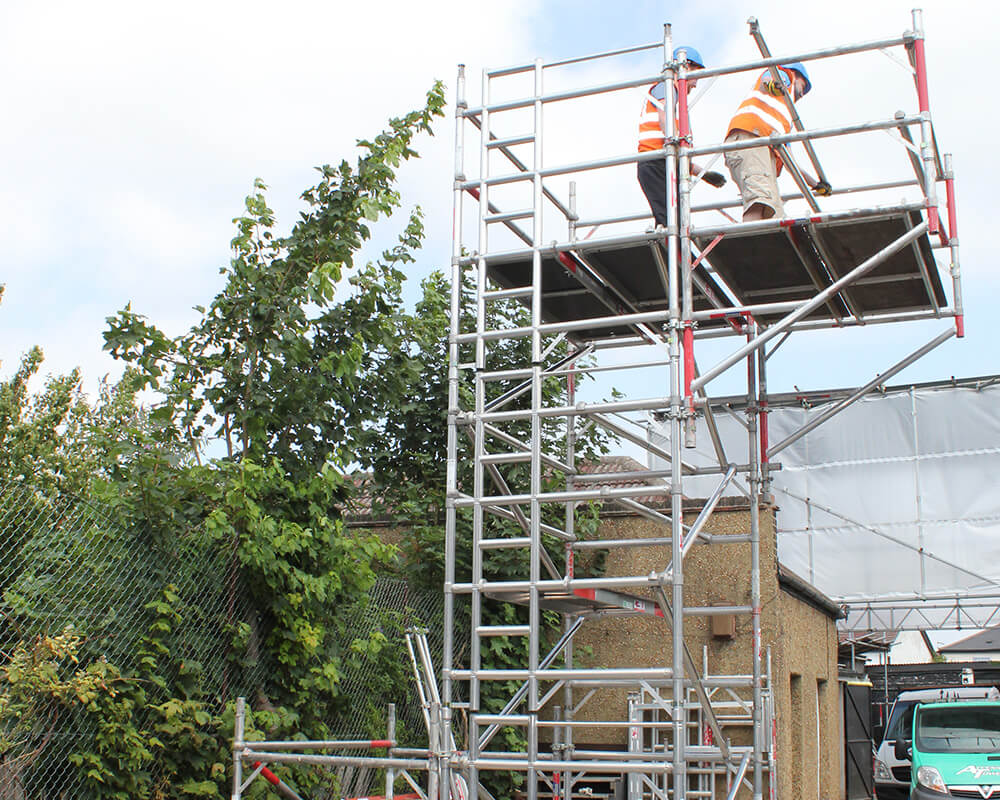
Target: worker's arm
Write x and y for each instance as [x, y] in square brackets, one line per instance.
[821, 188]
[710, 177]
[715, 179]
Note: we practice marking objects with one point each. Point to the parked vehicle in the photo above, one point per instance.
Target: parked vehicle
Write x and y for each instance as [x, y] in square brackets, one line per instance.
[892, 772]
[955, 750]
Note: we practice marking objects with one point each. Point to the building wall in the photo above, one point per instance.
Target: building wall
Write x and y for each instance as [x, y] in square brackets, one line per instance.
[805, 662]
[802, 642]
[984, 656]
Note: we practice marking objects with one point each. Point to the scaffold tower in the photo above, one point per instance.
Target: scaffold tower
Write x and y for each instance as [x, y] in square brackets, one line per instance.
[604, 297]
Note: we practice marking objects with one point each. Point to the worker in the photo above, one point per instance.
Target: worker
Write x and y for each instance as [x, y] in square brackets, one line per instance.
[765, 112]
[653, 174]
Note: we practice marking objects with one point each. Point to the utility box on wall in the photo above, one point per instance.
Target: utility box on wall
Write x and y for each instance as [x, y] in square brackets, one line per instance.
[724, 626]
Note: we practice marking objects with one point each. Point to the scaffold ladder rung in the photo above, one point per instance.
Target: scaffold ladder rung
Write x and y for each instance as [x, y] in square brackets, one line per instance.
[506, 458]
[508, 294]
[505, 544]
[511, 141]
[503, 630]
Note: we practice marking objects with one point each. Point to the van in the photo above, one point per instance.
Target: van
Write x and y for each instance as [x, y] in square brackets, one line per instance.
[892, 772]
[955, 751]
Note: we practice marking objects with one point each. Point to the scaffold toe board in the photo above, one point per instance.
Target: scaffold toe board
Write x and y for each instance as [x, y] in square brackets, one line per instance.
[597, 281]
[581, 601]
[804, 257]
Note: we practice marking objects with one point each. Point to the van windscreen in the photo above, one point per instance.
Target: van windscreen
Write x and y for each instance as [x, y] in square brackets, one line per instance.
[958, 729]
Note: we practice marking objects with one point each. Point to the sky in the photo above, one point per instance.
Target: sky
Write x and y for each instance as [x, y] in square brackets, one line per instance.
[132, 132]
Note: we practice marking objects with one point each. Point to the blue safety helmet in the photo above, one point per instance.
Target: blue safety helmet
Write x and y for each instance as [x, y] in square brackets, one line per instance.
[800, 68]
[693, 56]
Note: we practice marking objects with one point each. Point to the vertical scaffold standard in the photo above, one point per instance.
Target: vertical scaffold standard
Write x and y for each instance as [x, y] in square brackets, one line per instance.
[598, 294]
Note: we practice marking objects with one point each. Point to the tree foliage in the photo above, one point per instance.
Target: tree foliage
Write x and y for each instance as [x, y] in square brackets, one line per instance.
[277, 367]
[276, 361]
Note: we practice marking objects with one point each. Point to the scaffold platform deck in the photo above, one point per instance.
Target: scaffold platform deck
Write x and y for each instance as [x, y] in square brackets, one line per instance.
[804, 257]
[790, 263]
[597, 281]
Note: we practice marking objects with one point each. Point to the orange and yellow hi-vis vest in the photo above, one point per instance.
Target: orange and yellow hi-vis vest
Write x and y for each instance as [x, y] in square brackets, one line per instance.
[763, 114]
[650, 134]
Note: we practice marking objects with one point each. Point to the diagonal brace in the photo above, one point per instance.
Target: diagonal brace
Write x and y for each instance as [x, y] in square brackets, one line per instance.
[806, 308]
[878, 380]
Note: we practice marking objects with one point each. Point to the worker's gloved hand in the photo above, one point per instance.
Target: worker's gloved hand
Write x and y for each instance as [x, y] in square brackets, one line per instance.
[773, 88]
[822, 189]
[716, 179]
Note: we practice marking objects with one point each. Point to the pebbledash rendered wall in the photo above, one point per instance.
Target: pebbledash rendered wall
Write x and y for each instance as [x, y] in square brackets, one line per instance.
[798, 624]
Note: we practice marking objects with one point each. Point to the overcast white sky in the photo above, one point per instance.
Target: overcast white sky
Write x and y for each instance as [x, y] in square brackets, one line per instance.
[133, 131]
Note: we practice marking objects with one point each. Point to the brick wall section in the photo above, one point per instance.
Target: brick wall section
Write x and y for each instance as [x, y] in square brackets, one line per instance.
[802, 638]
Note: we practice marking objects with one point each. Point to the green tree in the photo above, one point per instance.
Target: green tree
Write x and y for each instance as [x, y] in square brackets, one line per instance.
[279, 367]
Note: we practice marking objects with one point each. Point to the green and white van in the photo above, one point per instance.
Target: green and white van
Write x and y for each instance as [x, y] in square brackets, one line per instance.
[955, 750]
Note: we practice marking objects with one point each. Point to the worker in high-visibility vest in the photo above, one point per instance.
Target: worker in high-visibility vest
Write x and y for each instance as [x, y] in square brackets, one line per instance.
[765, 112]
[653, 174]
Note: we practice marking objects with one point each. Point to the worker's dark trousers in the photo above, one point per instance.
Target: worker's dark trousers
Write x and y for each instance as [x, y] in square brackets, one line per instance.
[653, 180]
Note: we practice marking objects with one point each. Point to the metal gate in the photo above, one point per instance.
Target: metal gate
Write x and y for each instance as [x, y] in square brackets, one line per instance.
[858, 779]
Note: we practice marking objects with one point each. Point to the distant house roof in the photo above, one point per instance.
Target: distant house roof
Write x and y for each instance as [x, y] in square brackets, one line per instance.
[985, 642]
[615, 465]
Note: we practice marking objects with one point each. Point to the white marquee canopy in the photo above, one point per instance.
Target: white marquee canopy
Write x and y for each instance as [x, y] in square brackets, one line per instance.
[892, 507]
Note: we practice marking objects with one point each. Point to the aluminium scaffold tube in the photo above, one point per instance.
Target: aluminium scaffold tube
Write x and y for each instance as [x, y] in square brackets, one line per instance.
[721, 205]
[279, 785]
[758, 37]
[684, 229]
[678, 714]
[516, 68]
[710, 72]
[555, 248]
[657, 766]
[926, 132]
[537, 400]
[755, 598]
[563, 736]
[949, 176]
[239, 723]
[725, 147]
[323, 744]
[279, 757]
[958, 614]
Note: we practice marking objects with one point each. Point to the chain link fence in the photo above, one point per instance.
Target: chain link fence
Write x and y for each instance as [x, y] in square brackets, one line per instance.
[393, 607]
[75, 588]
[70, 573]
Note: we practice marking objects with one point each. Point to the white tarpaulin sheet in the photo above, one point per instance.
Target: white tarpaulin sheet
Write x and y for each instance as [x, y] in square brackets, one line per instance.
[896, 497]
